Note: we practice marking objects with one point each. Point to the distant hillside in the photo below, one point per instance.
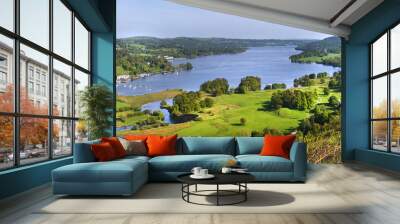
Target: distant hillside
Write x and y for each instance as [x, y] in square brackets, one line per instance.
[138, 55]
[328, 45]
[326, 51]
[192, 47]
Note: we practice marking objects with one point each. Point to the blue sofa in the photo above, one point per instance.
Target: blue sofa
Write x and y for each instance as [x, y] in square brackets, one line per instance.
[125, 176]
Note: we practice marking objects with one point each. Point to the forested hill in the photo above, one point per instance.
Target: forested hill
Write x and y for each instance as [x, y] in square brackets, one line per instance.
[139, 55]
[192, 47]
[328, 45]
[326, 51]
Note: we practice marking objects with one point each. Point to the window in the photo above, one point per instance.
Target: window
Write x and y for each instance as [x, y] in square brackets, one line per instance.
[37, 75]
[81, 82]
[62, 137]
[6, 142]
[385, 97]
[30, 88]
[62, 74]
[3, 61]
[7, 14]
[34, 21]
[33, 140]
[62, 29]
[6, 74]
[31, 76]
[45, 109]
[44, 91]
[37, 89]
[81, 45]
[3, 78]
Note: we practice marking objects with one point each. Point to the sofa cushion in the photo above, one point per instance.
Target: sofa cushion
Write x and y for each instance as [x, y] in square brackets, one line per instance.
[249, 145]
[257, 163]
[185, 163]
[134, 147]
[112, 171]
[207, 145]
[161, 145]
[103, 152]
[116, 145]
[277, 145]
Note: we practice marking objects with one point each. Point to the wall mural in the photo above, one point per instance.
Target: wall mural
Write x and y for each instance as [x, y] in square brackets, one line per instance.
[207, 86]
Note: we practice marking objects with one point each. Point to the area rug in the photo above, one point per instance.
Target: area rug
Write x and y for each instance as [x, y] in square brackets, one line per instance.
[166, 198]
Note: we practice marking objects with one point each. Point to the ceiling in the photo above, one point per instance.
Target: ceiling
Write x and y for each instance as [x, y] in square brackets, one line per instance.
[333, 17]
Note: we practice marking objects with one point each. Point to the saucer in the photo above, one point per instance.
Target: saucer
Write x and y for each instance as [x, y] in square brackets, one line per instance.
[208, 176]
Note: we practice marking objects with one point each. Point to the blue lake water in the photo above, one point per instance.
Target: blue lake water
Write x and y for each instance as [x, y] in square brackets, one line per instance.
[270, 63]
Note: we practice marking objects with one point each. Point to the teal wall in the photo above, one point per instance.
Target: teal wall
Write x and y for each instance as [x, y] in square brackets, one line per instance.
[24, 178]
[99, 15]
[356, 86]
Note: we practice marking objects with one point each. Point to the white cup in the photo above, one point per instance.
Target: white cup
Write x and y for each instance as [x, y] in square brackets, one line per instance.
[196, 171]
[203, 172]
[226, 170]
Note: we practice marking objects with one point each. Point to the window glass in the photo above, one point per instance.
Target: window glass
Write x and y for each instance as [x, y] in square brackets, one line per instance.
[33, 140]
[62, 29]
[379, 56]
[379, 98]
[379, 135]
[6, 142]
[395, 138]
[395, 47]
[81, 131]
[34, 21]
[62, 138]
[62, 89]
[6, 74]
[81, 45]
[38, 102]
[81, 82]
[395, 95]
[7, 14]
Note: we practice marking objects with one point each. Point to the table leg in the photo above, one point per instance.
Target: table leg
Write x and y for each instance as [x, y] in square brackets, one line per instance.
[217, 194]
[188, 189]
[245, 193]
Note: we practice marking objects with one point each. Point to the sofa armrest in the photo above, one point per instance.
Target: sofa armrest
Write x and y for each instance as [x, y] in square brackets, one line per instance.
[298, 155]
[83, 152]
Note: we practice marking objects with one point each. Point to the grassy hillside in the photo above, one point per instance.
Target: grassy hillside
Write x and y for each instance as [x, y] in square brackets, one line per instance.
[223, 119]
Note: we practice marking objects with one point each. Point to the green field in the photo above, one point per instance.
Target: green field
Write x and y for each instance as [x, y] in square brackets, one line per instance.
[223, 119]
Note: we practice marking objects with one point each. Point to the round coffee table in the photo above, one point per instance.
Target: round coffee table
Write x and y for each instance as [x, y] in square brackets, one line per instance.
[238, 179]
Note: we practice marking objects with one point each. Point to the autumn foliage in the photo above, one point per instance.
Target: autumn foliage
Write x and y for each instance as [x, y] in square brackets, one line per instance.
[380, 127]
[33, 131]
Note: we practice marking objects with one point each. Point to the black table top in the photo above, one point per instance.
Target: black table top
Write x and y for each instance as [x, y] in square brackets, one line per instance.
[220, 178]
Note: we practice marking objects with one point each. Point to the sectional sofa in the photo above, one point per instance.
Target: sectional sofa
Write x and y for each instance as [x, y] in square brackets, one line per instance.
[125, 176]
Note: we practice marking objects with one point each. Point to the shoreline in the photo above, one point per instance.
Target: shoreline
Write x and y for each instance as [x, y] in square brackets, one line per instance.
[124, 78]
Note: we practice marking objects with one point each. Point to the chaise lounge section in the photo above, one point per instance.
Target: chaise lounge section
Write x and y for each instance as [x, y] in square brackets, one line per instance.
[125, 176]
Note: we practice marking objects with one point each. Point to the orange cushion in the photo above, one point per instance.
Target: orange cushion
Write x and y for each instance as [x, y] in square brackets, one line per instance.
[135, 137]
[277, 145]
[161, 145]
[116, 145]
[103, 152]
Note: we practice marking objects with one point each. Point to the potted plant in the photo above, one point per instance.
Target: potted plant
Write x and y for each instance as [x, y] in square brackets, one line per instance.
[97, 104]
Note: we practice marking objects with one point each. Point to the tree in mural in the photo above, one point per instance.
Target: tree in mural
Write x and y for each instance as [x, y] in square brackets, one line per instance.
[33, 131]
